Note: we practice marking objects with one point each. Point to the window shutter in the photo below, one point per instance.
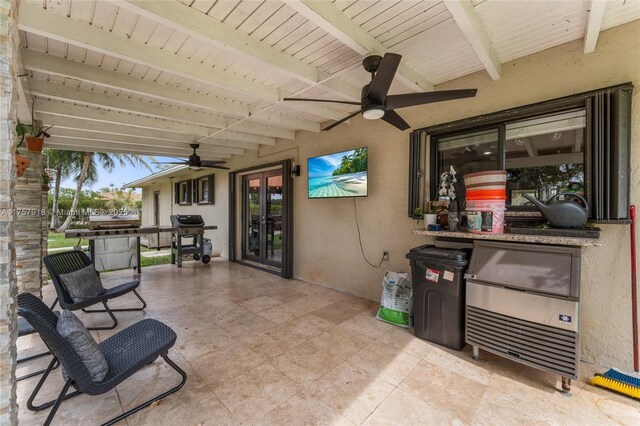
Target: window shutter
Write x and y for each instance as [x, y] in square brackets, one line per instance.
[176, 193]
[414, 172]
[211, 186]
[609, 152]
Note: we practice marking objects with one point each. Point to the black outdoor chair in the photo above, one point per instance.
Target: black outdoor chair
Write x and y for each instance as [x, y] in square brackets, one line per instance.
[25, 329]
[126, 352]
[71, 261]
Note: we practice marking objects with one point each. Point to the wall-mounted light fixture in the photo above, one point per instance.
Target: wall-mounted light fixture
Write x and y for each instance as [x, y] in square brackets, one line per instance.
[295, 170]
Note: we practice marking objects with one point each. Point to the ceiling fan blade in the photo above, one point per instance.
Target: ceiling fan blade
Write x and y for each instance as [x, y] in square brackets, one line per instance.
[212, 162]
[395, 120]
[170, 162]
[340, 121]
[412, 99]
[214, 166]
[322, 100]
[384, 77]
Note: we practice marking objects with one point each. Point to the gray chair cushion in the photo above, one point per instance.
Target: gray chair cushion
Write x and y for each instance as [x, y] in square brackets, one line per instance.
[83, 284]
[76, 334]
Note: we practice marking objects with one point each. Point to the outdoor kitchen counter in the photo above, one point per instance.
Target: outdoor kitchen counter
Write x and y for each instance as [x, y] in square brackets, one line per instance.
[538, 239]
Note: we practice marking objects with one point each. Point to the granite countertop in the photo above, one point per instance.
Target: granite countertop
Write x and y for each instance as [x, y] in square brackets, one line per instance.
[538, 239]
[511, 213]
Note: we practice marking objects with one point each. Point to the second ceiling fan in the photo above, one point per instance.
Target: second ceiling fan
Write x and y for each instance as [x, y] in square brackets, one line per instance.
[376, 103]
[195, 163]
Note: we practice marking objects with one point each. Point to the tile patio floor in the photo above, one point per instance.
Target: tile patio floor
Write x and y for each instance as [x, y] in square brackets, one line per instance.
[262, 350]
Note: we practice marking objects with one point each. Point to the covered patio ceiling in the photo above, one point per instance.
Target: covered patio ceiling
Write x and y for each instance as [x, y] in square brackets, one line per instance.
[150, 77]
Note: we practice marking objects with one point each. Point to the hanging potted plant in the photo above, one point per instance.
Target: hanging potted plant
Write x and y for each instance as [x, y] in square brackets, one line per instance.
[34, 134]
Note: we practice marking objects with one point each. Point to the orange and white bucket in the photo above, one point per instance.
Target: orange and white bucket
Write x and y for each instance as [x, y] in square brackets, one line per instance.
[485, 210]
[487, 180]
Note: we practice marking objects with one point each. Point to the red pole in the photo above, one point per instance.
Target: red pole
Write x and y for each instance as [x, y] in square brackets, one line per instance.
[634, 289]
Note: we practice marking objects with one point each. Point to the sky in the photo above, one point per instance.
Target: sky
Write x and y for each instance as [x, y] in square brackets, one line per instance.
[325, 165]
[119, 175]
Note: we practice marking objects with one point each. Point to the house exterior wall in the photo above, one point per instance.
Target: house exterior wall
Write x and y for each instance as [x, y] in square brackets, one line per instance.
[213, 214]
[326, 249]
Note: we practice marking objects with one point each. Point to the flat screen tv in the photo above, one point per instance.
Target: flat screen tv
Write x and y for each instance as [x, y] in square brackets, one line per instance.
[337, 175]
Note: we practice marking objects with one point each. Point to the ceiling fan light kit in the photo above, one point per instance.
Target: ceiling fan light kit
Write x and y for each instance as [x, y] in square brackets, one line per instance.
[376, 103]
[373, 112]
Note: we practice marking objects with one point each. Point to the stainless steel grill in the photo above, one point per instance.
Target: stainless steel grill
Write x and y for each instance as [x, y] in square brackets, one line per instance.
[187, 224]
[114, 221]
[190, 227]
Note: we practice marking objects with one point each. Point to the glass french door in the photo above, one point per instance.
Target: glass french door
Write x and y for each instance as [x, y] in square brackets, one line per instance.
[262, 218]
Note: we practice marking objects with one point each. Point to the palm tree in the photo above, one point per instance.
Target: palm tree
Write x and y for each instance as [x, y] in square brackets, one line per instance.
[88, 173]
[63, 162]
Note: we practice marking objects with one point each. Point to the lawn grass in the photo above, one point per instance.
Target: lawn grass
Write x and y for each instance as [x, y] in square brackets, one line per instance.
[57, 240]
[153, 261]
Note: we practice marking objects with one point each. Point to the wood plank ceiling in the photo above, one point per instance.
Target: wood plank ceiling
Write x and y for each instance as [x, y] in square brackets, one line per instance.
[150, 77]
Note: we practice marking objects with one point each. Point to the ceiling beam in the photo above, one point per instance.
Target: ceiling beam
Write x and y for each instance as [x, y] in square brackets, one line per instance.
[137, 140]
[469, 23]
[61, 122]
[241, 140]
[544, 160]
[87, 145]
[73, 123]
[41, 62]
[36, 20]
[22, 89]
[220, 35]
[531, 150]
[124, 103]
[577, 145]
[592, 28]
[331, 19]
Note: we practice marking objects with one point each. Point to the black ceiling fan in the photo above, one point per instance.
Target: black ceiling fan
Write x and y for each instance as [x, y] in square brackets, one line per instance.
[195, 163]
[376, 103]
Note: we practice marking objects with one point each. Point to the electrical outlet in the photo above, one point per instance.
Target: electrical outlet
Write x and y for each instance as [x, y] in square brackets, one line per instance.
[385, 255]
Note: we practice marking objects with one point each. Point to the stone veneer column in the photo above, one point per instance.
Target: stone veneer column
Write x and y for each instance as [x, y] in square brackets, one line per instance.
[44, 231]
[8, 282]
[28, 225]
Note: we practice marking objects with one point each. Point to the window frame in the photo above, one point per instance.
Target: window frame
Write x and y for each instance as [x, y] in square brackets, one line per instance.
[608, 117]
[179, 192]
[501, 164]
[209, 180]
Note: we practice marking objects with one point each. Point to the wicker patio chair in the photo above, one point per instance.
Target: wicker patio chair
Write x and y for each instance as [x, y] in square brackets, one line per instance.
[71, 261]
[25, 329]
[126, 352]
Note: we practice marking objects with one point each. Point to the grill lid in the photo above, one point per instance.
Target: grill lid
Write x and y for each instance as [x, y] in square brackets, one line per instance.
[180, 220]
[114, 221]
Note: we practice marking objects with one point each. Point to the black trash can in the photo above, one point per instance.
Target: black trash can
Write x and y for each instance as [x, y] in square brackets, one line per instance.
[438, 294]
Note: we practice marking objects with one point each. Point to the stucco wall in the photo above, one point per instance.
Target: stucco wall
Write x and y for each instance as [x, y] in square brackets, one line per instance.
[326, 243]
[213, 214]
